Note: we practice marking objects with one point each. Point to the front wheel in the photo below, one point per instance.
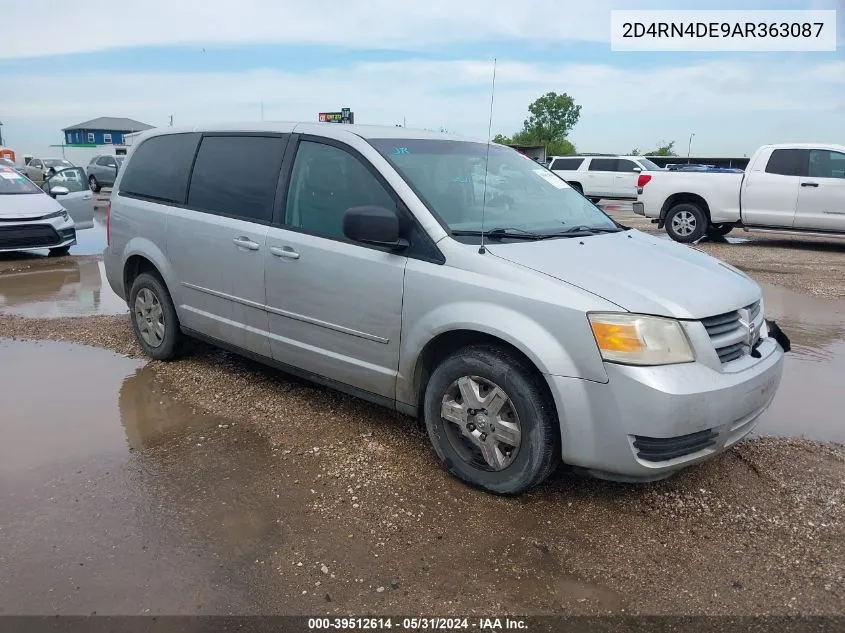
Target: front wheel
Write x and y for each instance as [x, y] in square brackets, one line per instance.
[154, 317]
[490, 421]
[93, 184]
[59, 252]
[686, 222]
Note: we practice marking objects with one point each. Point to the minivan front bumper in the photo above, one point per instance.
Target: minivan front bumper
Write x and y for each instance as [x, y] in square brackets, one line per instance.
[646, 423]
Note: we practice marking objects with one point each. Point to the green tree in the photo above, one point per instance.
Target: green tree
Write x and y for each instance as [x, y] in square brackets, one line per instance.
[635, 152]
[502, 139]
[666, 149]
[551, 117]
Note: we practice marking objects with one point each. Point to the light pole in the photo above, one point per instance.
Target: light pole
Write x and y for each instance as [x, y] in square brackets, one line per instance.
[1, 133]
[689, 147]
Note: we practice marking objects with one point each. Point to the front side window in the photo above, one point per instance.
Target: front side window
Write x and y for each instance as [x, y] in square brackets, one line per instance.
[237, 176]
[513, 192]
[826, 164]
[74, 179]
[326, 181]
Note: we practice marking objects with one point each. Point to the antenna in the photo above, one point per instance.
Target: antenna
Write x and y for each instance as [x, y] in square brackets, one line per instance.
[481, 249]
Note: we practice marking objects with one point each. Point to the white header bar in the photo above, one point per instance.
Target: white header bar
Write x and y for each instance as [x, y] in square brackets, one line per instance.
[728, 30]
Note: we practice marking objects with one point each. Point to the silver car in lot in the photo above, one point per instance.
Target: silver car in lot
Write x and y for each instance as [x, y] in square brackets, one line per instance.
[32, 219]
[354, 256]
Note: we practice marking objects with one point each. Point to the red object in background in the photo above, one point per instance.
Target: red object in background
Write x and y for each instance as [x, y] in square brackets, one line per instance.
[643, 180]
[5, 152]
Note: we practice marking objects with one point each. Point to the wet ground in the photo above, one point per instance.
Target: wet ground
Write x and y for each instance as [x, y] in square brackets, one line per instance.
[253, 492]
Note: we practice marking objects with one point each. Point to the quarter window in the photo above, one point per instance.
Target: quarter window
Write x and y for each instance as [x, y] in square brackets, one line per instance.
[826, 164]
[326, 181]
[603, 164]
[625, 165]
[160, 167]
[237, 176]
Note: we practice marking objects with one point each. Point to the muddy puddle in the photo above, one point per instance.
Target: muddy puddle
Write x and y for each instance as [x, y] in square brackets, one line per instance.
[69, 287]
[811, 398]
[113, 494]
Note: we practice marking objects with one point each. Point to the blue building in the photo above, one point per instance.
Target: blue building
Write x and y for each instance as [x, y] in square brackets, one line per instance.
[102, 131]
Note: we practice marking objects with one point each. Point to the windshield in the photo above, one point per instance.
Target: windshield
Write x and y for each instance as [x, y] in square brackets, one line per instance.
[649, 166]
[11, 182]
[56, 162]
[521, 195]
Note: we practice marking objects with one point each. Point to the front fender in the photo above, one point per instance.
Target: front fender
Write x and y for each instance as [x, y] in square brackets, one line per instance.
[527, 335]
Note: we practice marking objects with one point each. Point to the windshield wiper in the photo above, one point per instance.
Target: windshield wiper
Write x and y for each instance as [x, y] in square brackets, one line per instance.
[581, 231]
[502, 232]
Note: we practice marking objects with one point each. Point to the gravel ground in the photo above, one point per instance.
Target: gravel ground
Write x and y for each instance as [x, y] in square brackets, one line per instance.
[382, 529]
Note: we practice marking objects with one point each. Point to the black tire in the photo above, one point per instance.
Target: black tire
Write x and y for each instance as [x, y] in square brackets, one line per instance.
[171, 343]
[691, 222]
[538, 453]
[59, 252]
[719, 230]
[577, 187]
[595, 200]
[93, 184]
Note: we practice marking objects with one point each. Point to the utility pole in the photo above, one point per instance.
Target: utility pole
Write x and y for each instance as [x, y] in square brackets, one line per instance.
[171, 120]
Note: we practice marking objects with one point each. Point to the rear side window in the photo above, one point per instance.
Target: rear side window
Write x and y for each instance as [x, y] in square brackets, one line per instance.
[787, 162]
[567, 164]
[237, 176]
[603, 164]
[160, 167]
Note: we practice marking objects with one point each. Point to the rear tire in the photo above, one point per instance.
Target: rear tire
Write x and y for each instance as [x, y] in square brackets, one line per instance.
[686, 222]
[154, 318]
[93, 184]
[719, 230]
[507, 419]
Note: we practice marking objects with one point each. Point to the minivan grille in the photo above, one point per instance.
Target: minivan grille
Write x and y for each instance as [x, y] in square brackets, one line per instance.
[734, 333]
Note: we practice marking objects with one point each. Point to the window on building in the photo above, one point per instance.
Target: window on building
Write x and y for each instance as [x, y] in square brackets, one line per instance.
[326, 181]
[107, 139]
[90, 137]
[160, 168]
[68, 138]
[237, 176]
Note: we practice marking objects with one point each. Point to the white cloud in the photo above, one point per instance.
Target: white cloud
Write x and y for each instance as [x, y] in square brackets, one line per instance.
[377, 24]
[622, 107]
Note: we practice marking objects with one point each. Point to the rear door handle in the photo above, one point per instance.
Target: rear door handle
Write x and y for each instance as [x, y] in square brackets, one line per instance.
[245, 242]
[286, 252]
[809, 184]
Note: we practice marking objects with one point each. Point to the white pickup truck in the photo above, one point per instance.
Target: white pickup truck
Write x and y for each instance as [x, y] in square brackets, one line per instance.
[796, 188]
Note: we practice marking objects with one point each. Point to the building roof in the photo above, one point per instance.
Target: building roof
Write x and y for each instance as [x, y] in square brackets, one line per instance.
[110, 123]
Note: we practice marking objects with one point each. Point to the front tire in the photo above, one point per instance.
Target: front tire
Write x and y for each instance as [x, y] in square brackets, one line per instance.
[490, 421]
[93, 184]
[154, 318]
[59, 252]
[686, 222]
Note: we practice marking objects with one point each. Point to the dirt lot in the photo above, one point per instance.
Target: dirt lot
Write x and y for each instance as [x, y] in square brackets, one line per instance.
[259, 493]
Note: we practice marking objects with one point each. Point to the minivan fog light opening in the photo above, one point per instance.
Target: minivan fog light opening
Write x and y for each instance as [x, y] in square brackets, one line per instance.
[637, 339]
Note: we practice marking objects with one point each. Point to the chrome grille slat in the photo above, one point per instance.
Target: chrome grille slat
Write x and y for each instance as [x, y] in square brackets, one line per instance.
[727, 333]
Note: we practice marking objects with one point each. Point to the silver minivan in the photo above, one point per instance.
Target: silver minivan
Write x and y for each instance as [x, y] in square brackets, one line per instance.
[453, 281]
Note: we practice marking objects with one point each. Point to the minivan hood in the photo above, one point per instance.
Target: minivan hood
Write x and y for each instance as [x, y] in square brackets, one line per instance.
[638, 272]
[26, 205]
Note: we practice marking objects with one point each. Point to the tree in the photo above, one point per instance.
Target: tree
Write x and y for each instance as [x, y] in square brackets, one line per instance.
[664, 150]
[635, 152]
[551, 117]
[502, 139]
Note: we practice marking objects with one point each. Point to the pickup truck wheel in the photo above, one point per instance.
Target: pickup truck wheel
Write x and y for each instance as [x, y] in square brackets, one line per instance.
[719, 230]
[490, 421]
[686, 222]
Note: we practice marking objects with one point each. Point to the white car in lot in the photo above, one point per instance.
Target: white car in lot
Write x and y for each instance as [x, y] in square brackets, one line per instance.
[602, 177]
[30, 218]
[796, 188]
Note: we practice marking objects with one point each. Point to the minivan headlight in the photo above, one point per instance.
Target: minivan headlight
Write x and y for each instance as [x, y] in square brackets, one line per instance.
[638, 339]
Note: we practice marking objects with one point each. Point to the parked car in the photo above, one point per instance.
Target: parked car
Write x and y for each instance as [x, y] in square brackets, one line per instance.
[102, 171]
[5, 162]
[363, 258]
[39, 169]
[31, 219]
[602, 177]
[79, 201]
[793, 188]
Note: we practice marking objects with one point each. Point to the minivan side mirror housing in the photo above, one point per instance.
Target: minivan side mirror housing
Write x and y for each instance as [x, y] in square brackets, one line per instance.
[373, 225]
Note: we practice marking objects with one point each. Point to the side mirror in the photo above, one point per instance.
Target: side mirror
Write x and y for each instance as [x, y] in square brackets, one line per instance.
[59, 191]
[638, 169]
[373, 225]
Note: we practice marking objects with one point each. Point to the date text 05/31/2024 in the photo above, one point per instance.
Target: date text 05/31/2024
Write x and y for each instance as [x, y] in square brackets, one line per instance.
[417, 624]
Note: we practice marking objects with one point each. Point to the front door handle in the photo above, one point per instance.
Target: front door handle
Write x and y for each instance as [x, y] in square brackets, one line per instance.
[809, 184]
[245, 242]
[287, 252]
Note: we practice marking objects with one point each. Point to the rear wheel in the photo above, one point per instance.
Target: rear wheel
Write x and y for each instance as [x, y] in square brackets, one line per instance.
[577, 187]
[490, 421]
[154, 317]
[686, 222]
[93, 184]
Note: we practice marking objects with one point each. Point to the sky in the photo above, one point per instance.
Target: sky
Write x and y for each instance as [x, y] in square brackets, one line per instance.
[428, 64]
